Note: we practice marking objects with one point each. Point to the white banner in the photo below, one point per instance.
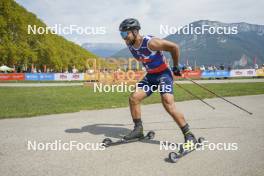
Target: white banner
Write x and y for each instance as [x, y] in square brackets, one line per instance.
[69, 76]
[243, 72]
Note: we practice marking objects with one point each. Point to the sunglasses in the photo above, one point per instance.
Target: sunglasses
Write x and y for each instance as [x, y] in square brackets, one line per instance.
[124, 34]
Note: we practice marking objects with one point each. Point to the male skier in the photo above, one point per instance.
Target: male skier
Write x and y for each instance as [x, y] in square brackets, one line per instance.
[149, 51]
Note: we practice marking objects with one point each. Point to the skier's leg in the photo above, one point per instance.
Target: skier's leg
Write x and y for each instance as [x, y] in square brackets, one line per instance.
[134, 103]
[169, 105]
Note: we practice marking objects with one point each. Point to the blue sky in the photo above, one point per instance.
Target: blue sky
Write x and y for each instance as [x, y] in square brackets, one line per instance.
[150, 13]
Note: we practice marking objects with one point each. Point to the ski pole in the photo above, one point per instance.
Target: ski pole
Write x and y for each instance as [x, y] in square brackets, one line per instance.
[195, 96]
[218, 95]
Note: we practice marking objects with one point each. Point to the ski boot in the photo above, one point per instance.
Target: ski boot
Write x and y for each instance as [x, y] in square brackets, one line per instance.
[189, 142]
[136, 133]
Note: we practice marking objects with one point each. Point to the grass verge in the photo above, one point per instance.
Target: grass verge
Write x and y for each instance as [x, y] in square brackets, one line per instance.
[33, 101]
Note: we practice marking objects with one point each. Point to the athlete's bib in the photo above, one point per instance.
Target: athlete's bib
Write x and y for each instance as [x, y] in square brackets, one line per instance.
[153, 61]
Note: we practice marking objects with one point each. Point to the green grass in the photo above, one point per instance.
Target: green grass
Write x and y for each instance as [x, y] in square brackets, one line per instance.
[33, 101]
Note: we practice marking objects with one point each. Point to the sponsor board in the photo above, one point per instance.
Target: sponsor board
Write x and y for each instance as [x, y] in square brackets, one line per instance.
[69, 76]
[243, 73]
[12, 76]
[39, 76]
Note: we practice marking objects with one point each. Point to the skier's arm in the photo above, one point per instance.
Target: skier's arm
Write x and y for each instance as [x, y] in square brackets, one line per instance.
[157, 44]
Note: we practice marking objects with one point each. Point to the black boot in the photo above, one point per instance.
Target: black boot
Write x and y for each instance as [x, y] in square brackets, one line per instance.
[189, 142]
[136, 133]
[189, 138]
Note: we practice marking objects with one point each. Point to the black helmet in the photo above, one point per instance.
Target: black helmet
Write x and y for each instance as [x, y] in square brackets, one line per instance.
[129, 24]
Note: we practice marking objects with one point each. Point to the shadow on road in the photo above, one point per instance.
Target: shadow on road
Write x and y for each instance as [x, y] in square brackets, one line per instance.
[108, 130]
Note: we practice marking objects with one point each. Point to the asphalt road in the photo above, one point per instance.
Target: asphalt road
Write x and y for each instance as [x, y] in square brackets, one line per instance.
[39, 84]
[226, 124]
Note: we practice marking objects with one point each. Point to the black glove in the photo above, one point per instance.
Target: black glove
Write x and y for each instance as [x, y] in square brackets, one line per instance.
[176, 70]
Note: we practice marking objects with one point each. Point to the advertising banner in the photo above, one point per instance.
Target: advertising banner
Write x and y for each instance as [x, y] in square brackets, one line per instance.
[260, 72]
[215, 74]
[12, 76]
[76, 76]
[129, 76]
[39, 76]
[191, 74]
[69, 76]
[243, 73]
[91, 76]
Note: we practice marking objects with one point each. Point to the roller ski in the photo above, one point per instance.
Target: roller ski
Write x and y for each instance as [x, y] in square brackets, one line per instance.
[190, 145]
[134, 136]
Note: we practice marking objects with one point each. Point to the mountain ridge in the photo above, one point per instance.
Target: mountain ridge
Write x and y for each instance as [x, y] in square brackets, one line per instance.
[103, 49]
[217, 49]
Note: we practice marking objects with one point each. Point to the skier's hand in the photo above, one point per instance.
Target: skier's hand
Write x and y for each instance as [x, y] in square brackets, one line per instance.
[176, 71]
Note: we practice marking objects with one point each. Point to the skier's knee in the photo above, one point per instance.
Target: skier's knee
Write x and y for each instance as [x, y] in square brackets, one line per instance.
[134, 99]
[168, 101]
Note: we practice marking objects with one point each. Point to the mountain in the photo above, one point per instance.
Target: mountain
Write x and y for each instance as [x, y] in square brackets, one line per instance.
[18, 47]
[103, 49]
[123, 53]
[246, 43]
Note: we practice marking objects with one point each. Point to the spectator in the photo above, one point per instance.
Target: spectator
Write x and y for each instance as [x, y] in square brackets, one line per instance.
[184, 67]
[202, 68]
[222, 67]
[214, 68]
[210, 68]
[74, 70]
[229, 68]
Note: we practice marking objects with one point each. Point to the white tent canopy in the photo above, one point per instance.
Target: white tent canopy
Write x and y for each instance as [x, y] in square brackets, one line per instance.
[6, 68]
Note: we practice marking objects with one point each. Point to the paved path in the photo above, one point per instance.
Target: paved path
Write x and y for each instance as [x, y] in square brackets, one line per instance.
[226, 124]
[39, 84]
[222, 81]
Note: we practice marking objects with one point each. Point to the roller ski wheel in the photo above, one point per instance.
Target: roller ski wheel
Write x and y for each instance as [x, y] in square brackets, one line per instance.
[175, 156]
[108, 142]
